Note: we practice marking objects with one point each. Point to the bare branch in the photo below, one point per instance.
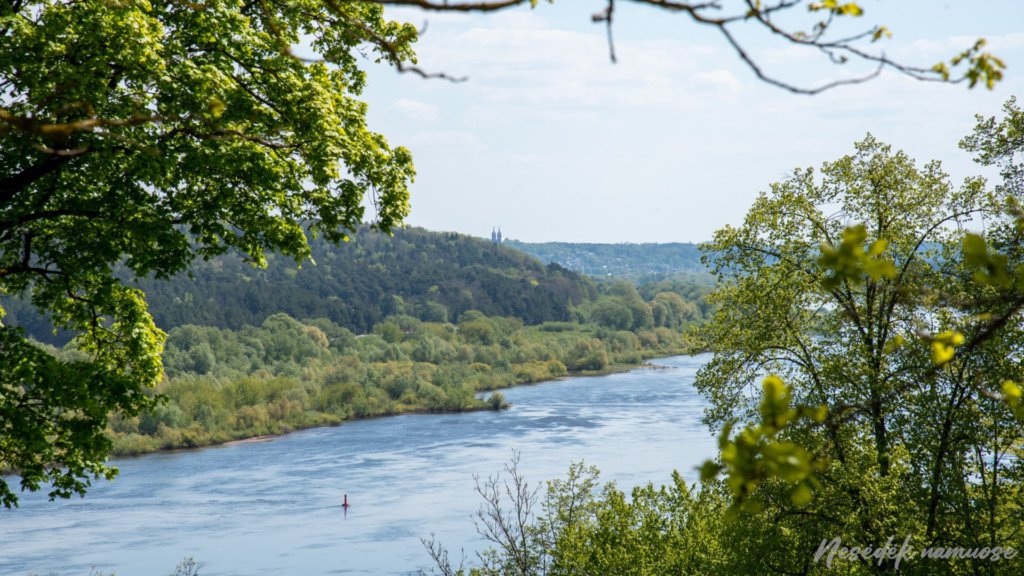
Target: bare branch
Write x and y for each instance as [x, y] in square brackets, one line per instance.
[839, 51]
[439, 554]
[30, 125]
[392, 51]
[741, 52]
[606, 17]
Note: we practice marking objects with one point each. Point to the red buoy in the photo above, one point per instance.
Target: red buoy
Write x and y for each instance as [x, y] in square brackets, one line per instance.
[345, 503]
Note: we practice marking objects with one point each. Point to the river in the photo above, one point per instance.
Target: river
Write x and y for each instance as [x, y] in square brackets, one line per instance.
[274, 507]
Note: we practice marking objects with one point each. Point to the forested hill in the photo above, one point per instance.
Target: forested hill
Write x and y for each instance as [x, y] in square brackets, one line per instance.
[620, 260]
[433, 276]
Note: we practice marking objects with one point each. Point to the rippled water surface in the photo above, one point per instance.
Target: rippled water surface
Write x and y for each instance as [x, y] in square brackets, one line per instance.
[274, 507]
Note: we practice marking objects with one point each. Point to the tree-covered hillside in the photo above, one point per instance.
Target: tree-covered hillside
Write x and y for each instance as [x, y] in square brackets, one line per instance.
[620, 260]
[433, 276]
[430, 275]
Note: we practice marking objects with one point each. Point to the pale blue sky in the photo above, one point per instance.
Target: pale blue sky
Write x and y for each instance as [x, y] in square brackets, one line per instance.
[552, 142]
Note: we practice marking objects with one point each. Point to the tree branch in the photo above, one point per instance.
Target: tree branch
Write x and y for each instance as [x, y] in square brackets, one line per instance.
[11, 185]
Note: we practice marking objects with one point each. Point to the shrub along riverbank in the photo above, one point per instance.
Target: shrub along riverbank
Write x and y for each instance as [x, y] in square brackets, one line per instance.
[286, 374]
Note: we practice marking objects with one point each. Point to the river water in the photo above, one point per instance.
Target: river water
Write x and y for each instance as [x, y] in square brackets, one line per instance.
[274, 507]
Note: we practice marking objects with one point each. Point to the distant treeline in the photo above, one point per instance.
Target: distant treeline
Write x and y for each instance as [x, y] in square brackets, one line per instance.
[432, 276]
[617, 260]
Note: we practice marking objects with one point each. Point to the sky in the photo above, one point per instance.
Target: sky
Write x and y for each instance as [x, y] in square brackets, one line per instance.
[552, 142]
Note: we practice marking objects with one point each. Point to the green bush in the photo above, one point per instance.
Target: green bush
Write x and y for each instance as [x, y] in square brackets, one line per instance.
[497, 401]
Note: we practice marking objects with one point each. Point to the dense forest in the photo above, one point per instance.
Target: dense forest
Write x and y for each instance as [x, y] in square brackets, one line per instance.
[430, 275]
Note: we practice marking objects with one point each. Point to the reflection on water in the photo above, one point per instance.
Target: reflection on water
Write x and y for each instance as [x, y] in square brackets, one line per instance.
[276, 507]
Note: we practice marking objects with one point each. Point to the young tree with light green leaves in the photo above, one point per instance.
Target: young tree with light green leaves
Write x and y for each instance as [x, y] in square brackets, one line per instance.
[859, 288]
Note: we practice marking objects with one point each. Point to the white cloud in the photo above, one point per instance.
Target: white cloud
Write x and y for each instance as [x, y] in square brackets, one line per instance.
[447, 140]
[416, 110]
[714, 81]
[788, 54]
[518, 60]
[994, 43]
[947, 47]
[417, 17]
[513, 114]
[1005, 41]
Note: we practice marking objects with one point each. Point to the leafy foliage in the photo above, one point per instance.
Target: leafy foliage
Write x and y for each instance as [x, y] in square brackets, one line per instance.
[895, 336]
[893, 405]
[578, 526]
[146, 134]
[756, 453]
[286, 374]
[54, 411]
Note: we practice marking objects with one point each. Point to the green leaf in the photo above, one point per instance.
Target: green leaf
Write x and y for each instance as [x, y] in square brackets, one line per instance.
[881, 32]
[944, 346]
[709, 470]
[850, 262]
[802, 495]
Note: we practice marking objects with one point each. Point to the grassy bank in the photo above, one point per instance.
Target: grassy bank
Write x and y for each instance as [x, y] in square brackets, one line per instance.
[287, 375]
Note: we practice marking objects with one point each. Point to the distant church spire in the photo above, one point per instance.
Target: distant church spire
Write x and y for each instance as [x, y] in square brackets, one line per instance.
[499, 235]
[494, 237]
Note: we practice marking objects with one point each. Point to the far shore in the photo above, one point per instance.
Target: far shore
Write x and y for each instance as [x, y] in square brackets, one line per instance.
[611, 369]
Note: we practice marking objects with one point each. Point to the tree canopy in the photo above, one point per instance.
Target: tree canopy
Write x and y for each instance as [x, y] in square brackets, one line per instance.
[435, 276]
[148, 134]
[889, 330]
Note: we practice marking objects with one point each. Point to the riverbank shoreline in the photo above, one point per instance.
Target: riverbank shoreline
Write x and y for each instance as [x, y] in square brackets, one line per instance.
[645, 364]
[277, 505]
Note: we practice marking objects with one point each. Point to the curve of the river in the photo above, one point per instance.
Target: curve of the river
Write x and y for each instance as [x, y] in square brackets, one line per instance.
[274, 507]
